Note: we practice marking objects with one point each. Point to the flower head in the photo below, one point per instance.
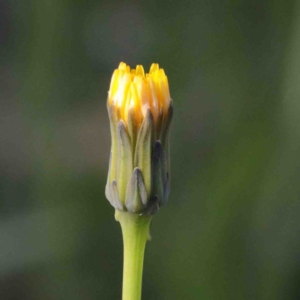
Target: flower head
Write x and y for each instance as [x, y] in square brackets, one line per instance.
[140, 111]
[133, 89]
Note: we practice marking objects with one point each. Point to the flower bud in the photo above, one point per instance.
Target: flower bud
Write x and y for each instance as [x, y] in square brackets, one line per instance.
[140, 111]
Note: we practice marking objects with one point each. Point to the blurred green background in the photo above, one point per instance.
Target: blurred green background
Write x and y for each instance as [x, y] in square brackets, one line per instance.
[231, 229]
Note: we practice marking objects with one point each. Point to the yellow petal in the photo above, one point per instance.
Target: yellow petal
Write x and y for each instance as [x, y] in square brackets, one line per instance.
[135, 89]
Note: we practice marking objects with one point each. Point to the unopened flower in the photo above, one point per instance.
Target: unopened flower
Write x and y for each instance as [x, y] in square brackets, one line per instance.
[140, 112]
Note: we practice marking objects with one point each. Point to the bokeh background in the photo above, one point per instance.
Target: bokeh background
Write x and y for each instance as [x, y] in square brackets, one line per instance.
[231, 229]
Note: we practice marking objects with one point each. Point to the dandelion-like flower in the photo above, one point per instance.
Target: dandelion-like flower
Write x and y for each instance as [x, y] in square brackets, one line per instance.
[140, 112]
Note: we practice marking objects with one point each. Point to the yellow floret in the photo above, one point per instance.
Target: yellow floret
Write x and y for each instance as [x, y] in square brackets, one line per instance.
[135, 89]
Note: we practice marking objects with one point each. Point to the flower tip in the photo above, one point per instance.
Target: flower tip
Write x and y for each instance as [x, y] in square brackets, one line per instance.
[140, 70]
[154, 67]
[133, 88]
[124, 67]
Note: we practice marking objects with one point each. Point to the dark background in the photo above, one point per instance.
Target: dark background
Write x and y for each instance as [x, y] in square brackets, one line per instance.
[231, 228]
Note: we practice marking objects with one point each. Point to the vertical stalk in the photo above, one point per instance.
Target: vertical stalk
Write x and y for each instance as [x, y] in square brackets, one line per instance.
[135, 230]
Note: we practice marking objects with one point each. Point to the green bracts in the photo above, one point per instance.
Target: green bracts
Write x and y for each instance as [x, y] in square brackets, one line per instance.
[139, 167]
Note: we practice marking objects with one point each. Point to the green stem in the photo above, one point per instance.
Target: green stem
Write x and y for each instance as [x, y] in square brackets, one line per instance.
[135, 230]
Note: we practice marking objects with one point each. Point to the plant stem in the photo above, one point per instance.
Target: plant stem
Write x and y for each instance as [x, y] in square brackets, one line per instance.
[135, 230]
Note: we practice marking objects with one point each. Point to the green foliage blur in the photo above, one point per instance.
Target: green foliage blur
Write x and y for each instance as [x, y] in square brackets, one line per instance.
[232, 225]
